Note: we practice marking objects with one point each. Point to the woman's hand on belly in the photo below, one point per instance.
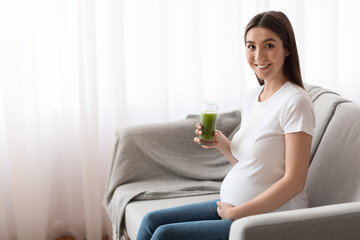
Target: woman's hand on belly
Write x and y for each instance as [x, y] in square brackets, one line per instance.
[225, 211]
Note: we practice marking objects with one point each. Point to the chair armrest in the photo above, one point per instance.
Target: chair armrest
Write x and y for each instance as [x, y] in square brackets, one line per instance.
[338, 221]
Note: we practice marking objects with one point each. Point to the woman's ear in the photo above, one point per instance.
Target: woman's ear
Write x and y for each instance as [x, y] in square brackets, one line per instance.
[287, 52]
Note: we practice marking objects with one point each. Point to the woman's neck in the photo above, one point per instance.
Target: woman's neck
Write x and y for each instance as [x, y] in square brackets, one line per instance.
[270, 87]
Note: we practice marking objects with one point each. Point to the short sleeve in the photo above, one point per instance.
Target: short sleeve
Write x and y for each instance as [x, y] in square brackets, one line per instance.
[299, 115]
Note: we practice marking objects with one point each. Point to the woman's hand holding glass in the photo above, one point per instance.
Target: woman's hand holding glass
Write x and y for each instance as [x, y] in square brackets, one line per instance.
[219, 137]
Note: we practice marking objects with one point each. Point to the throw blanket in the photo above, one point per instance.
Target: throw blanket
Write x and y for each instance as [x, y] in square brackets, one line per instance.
[158, 161]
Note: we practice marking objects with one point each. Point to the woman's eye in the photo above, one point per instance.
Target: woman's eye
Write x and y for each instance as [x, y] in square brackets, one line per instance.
[269, 46]
[251, 47]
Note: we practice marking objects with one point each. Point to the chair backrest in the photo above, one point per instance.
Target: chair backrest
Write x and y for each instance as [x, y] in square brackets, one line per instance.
[334, 173]
[324, 103]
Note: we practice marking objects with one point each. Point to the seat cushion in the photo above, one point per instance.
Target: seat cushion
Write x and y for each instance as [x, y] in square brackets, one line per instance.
[135, 211]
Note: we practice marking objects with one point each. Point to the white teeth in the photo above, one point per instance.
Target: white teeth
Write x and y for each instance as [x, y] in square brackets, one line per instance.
[262, 66]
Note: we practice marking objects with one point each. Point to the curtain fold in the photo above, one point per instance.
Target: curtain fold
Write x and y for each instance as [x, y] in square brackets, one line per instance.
[72, 72]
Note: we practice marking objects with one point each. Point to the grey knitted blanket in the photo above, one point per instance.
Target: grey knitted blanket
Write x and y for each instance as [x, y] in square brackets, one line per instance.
[157, 161]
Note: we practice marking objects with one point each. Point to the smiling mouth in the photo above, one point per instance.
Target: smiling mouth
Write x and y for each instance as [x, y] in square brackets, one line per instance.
[262, 67]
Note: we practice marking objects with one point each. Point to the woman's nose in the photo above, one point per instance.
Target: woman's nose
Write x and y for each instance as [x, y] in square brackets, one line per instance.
[259, 55]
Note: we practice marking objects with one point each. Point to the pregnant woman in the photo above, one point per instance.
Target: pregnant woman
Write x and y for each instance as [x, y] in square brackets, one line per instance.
[270, 152]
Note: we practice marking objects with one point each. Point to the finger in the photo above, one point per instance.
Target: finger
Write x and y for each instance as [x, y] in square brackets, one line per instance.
[217, 133]
[219, 211]
[208, 146]
[198, 126]
[198, 132]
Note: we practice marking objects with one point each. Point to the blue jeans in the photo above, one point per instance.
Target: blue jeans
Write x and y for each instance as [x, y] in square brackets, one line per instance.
[198, 221]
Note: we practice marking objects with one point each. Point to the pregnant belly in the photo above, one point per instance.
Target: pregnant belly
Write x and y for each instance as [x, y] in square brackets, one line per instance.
[240, 186]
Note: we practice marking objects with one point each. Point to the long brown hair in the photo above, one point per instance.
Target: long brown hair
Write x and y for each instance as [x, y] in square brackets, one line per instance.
[279, 23]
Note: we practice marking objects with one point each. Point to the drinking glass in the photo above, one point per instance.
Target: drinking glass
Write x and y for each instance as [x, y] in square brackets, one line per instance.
[208, 121]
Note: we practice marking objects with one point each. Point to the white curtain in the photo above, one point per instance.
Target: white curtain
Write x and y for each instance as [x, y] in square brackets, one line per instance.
[72, 72]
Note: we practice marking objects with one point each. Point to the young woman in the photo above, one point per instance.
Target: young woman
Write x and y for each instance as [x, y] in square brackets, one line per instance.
[270, 152]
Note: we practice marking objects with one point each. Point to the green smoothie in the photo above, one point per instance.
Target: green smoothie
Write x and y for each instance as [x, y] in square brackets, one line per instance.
[208, 122]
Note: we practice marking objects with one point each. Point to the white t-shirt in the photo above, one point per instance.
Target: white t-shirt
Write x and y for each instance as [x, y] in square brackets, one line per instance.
[259, 145]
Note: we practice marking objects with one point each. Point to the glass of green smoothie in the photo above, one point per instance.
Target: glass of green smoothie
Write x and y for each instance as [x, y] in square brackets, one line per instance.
[208, 123]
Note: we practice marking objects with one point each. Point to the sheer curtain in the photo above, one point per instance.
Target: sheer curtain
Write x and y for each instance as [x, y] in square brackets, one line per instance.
[73, 72]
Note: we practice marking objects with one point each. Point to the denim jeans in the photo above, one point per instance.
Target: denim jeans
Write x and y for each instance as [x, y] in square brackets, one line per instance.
[198, 221]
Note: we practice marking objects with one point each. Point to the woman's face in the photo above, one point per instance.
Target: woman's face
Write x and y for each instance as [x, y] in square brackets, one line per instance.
[265, 54]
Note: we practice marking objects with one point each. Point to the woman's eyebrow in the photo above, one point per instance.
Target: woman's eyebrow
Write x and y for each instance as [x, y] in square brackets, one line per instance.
[266, 40]
[269, 40]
